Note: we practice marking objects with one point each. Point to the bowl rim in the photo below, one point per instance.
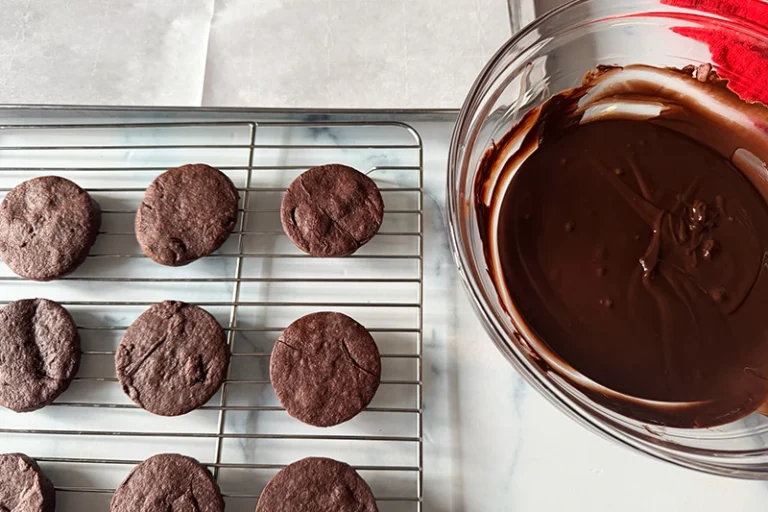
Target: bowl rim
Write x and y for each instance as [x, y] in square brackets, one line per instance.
[700, 460]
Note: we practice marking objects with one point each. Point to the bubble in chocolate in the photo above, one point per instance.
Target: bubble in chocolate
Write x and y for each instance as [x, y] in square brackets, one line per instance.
[570, 226]
[708, 248]
[718, 294]
[601, 271]
[618, 171]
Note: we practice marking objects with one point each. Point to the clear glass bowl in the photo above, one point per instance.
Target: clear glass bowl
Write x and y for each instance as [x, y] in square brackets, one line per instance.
[548, 56]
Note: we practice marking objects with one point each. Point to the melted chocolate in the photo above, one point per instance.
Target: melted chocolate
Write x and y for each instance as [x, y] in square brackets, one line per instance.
[631, 252]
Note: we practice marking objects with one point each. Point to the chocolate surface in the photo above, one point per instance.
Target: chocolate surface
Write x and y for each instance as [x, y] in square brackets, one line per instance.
[39, 353]
[325, 368]
[47, 227]
[172, 359]
[187, 213]
[317, 485]
[23, 485]
[168, 483]
[331, 210]
[631, 249]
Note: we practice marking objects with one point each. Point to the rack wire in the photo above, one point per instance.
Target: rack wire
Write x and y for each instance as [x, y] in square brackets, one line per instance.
[90, 438]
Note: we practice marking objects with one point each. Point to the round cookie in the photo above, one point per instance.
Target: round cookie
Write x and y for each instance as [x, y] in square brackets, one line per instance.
[187, 213]
[172, 359]
[168, 482]
[39, 353]
[325, 368]
[317, 484]
[23, 485]
[331, 210]
[47, 227]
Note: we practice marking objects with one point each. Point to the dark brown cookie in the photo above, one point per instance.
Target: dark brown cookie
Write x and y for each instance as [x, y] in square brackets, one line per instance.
[172, 359]
[331, 210]
[317, 484]
[47, 227]
[23, 485]
[187, 213]
[325, 368]
[168, 482]
[39, 353]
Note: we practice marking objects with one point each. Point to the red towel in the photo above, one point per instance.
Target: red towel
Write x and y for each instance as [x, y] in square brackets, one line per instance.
[731, 52]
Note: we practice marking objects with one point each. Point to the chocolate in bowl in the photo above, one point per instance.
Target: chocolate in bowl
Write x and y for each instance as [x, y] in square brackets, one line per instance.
[550, 56]
[626, 228]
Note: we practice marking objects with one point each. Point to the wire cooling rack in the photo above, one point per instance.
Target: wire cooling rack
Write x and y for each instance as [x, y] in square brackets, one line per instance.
[92, 436]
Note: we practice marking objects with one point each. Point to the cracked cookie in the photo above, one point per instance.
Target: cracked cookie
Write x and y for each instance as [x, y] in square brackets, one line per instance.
[47, 227]
[325, 368]
[168, 482]
[39, 353]
[187, 213]
[317, 484]
[331, 210]
[23, 485]
[172, 359]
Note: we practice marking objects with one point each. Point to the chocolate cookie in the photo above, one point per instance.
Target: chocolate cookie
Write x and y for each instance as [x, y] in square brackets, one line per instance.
[331, 210]
[325, 368]
[172, 359]
[39, 353]
[187, 213]
[47, 227]
[165, 483]
[317, 484]
[23, 485]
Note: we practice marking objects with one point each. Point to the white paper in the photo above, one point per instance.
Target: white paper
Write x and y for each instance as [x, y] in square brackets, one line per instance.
[108, 52]
[350, 53]
[265, 53]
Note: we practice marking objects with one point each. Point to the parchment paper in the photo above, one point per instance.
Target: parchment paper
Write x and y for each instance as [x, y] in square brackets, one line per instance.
[265, 53]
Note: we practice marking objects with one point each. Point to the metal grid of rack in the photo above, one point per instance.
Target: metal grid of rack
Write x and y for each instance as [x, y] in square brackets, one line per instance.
[255, 285]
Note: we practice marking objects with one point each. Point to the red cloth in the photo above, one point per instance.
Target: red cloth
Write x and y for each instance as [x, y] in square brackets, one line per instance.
[732, 53]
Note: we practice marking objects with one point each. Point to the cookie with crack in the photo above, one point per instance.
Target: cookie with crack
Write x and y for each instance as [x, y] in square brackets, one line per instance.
[317, 484]
[168, 482]
[39, 353]
[325, 368]
[172, 359]
[331, 210]
[23, 485]
[187, 213]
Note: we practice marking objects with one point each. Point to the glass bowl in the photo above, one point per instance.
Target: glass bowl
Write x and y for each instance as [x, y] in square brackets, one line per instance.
[549, 56]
